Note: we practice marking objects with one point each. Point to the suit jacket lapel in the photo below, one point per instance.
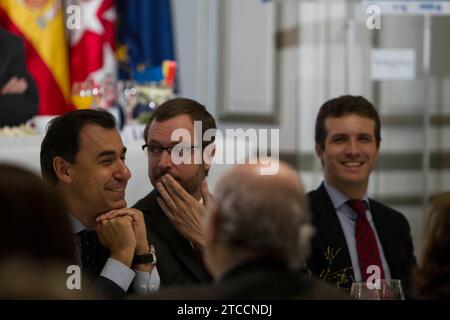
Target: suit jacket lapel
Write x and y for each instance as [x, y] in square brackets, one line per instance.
[383, 226]
[166, 231]
[329, 227]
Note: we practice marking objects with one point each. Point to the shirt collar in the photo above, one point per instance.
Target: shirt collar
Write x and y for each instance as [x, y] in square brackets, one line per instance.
[338, 198]
[76, 224]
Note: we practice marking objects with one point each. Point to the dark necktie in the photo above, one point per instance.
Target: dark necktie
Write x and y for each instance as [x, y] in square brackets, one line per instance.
[366, 243]
[93, 254]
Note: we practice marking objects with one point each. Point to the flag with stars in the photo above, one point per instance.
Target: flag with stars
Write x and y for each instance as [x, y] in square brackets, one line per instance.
[92, 57]
[145, 37]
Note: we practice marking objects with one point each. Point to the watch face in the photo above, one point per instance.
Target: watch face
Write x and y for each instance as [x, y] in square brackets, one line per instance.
[149, 257]
[154, 258]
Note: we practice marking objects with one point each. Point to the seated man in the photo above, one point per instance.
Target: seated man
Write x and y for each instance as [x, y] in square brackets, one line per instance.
[357, 238]
[18, 94]
[257, 235]
[82, 154]
[173, 212]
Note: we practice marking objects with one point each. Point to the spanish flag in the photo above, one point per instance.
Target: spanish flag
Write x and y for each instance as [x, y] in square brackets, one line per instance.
[41, 24]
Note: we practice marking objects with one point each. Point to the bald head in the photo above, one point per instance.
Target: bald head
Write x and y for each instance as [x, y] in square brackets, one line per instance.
[285, 179]
[263, 213]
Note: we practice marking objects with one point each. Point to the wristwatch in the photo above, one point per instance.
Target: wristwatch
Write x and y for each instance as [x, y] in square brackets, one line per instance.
[149, 257]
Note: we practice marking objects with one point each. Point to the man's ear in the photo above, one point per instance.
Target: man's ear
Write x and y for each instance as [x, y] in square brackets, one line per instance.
[208, 156]
[63, 169]
[319, 151]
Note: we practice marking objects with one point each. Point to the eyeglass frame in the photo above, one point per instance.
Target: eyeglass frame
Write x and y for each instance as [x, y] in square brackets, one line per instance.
[168, 149]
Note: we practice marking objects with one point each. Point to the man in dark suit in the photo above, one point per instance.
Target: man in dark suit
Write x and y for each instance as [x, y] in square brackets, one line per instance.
[173, 210]
[18, 94]
[82, 154]
[357, 238]
[257, 235]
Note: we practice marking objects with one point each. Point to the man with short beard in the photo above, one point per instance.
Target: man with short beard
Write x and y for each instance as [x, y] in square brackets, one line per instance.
[174, 210]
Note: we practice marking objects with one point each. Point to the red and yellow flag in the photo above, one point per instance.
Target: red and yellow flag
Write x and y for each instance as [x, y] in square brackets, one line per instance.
[41, 24]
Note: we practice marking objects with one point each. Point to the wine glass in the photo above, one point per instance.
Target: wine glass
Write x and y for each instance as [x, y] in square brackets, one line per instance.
[82, 96]
[391, 289]
[127, 98]
[361, 291]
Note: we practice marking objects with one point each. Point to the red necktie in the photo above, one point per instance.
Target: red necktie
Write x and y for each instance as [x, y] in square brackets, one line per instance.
[366, 243]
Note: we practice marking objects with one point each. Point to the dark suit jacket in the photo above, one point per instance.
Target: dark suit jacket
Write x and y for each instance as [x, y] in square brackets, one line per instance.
[177, 263]
[94, 285]
[15, 109]
[260, 278]
[392, 229]
[103, 288]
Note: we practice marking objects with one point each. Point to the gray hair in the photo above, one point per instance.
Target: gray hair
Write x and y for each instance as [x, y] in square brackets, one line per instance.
[264, 218]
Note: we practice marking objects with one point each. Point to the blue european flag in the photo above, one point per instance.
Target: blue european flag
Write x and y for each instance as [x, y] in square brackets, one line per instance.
[144, 35]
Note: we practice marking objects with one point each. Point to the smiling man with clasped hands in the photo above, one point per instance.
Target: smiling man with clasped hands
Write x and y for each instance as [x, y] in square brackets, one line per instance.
[83, 155]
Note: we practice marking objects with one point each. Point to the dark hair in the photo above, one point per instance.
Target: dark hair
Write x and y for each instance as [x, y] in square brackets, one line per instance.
[342, 106]
[35, 222]
[62, 137]
[179, 106]
[432, 279]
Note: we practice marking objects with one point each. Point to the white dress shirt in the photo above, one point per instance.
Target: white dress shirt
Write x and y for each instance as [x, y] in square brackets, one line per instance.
[347, 219]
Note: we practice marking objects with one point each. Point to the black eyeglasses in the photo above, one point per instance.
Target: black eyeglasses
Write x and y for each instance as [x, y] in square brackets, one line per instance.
[157, 150]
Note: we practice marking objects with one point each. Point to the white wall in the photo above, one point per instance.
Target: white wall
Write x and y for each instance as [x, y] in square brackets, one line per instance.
[315, 71]
[196, 25]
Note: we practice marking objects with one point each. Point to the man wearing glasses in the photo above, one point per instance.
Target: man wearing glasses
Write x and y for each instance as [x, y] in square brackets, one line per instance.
[173, 211]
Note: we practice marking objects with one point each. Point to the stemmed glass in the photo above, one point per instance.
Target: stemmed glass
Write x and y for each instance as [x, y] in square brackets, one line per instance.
[82, 94]
[391, 289]
[127, 97]
[361, 291]
[386, 289]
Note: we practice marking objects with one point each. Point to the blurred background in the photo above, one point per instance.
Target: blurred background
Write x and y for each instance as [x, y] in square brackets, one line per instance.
[254, 64]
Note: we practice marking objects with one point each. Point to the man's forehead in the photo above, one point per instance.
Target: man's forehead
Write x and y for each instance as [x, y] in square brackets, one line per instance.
[350, 121]
[93, 135]
[163, 130]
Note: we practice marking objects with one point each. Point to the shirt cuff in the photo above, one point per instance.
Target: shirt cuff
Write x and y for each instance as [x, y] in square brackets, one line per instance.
[118, 273]
[146, 282]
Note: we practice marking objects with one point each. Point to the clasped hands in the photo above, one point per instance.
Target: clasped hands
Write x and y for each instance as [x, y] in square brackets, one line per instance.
[123, 230]
[124, 233]
[14, 85]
